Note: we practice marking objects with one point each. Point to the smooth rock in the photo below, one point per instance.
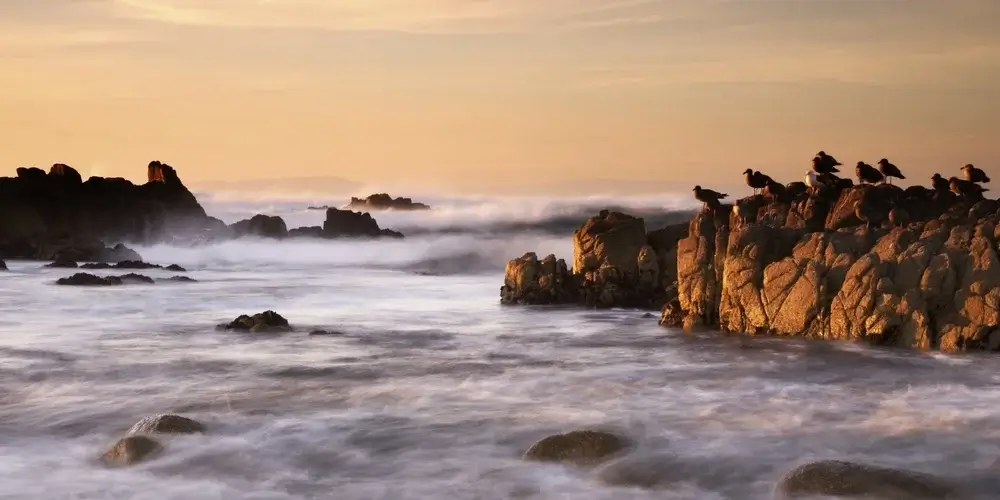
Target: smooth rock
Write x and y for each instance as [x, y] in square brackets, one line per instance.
[852, 480]
[166, 424]
[131, 450]
[582, 447]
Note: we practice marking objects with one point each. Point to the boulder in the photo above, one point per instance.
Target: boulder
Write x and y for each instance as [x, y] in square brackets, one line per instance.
[610, 239]
[264, 226]
[180, 279]
[166, 424]
[65, 173]
[3, 265]
[85, 279]
[63, 264]
[582, 447]
[528, 280]
[307, 232]
[853, 480]
[131, 450]
[347, 223]
[175, 268]
[382, 201]
[267, 321]
[136, 279]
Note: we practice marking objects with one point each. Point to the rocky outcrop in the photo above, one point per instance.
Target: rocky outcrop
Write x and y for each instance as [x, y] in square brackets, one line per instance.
[835, 478]
[3, 265]
[86, 279]
[42, 213]
[382, 201]
[267, 321]
[166, 424]
[131, 450]
[813, 268]
[264, 226]
[616, 263]
[350, 224]
[131, 264]
[583, 447]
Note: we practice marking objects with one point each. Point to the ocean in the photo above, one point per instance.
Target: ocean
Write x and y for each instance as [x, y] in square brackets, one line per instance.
[432, 389]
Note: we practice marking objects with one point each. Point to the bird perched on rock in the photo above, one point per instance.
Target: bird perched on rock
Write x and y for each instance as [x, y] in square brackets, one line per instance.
[889, 170]
[756, 180]
[774, 190]
[867, 173]
[708, 197]
[973, 174]
[940, 183]
[825, 164]
[869, 212]
[795, 189]
[966, 188]
[813, 182]
[899, 217]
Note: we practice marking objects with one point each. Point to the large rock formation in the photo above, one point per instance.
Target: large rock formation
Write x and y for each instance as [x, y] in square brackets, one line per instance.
[811, 267]
[40, 211]
[616, 263]
[264, 226]
[382, 201]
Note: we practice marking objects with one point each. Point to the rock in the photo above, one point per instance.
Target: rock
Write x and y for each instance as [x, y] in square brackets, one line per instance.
[851, 480]
[383, 201]
[96, 265]
[121, 253]
[325, 333]
[267, 321]
[180, 279]
[3, 265]
[263, 226]
[136, 278]
[307, 232]
[63, 264]
[346, 223]
[65, 173]
[166, 424]
[583, 447]
[530, 281]
[85, 279]
[131, 450]
[175, 268]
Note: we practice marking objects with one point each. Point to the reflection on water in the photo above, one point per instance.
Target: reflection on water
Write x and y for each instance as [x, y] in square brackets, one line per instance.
[434, 390]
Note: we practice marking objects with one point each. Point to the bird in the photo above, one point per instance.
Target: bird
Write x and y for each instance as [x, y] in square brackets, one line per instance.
[825, 164]
[708, 197]
[756, 180]
[898, 217]
[940, 183]
[774, 190]
[973, 174]
[812, 181]
[868, 173]
[889, 170]
[795, 189]
[966, 188]
[869, 212]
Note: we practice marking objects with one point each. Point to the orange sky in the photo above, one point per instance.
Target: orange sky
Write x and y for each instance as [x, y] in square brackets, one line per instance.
[488, 94]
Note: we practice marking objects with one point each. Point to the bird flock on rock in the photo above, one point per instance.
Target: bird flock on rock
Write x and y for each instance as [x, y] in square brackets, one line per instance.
[823, 175]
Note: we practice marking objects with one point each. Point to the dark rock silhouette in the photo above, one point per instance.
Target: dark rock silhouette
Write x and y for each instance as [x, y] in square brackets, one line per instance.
[86, 279]
[43, 213]
[131, 450]
[63, 264]
[842, 479]
[306, 232]
[347, 223]
[264, 226]
[166, 424]
[3, 265]
[267, 321]
[382, 201]
[583, 447]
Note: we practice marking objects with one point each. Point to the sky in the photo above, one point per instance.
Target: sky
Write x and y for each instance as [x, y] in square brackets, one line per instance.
[487, 95]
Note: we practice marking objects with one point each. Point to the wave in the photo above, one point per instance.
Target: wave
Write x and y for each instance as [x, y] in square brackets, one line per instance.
[480, 215]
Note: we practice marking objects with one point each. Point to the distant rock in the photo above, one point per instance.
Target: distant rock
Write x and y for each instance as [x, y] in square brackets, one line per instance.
[131, 450]
[264, 226]
[180, 279]
[307, 232]
[267, 321]
[63, 264]
[130, 264]
[324, 207]
[3, 265]
[382, 201]
[175, 268]
[320, 333]
[86, 279]
[347, 223]
[166, 424]
[583, 447]
[828, 478]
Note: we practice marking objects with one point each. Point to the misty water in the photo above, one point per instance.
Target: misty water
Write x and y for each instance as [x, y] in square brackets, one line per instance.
[433, 390]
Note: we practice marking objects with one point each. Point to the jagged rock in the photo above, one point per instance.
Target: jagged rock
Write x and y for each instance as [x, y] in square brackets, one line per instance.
[85, 279]
[175, 268]
[264, 226]
[382, 201]
[65, 173]
[166, 424]
[3, 265]
[267, 321]
[307, 232]
[583, 447]
[131, 450]
[63, 264]
[180, 279]
[851, 480]
[346, 223]
[933, 283]
[528, 280]
[96, 265]
[136, 278]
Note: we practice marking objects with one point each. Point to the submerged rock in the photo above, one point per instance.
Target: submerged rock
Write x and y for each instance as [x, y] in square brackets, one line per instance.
[85, 279]
[166, 424]
[325, 333]
[583, 447]
[136, 278]
[180, 279]
[131, 450]
[3, 265]
[63, 264]
[852, 480]
[267, 321]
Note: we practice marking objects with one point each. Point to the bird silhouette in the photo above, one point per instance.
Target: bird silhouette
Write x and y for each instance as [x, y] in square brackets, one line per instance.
[708, 197]
[889, 170]
[973, 174]
[867, 173]
[825, 164]
[940, 183]
[966, 188]
[756, 180]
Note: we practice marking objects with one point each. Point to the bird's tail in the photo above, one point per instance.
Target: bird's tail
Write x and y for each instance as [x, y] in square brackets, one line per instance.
[724, 195]
[901, 176]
